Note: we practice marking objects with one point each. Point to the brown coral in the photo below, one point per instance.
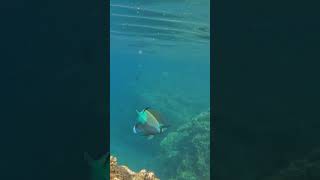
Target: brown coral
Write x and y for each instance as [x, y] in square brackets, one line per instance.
[118, 172]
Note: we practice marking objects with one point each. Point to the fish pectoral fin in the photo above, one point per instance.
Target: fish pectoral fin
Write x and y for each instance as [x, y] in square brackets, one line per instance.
[150, 137]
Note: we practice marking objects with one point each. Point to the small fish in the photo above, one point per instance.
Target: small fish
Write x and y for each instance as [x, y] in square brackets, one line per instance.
[98, 168]
[150, 123]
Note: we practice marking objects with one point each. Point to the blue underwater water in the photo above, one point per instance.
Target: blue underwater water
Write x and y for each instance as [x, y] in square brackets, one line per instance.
[159, 58]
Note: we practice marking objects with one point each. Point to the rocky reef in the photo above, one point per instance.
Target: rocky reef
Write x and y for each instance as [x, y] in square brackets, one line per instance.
[306, 168]
[118, 172]
[185, 153]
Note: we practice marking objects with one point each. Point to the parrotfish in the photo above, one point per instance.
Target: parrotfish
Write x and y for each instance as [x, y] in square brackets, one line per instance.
[149, 123]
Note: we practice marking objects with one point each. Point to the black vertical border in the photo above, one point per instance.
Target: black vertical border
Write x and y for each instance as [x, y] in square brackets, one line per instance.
[48, 51]
[212, 118]
[276, 42]
[107, 20]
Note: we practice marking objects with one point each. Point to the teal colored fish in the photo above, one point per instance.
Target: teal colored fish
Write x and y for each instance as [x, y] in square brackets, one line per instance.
[149, 123]
[99, 169]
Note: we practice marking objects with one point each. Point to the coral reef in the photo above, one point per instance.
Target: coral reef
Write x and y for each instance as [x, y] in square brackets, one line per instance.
[306, 168]
[118, 172]
[186, 152]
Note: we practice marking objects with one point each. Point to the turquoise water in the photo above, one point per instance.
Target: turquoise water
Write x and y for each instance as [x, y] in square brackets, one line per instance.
[159, 58]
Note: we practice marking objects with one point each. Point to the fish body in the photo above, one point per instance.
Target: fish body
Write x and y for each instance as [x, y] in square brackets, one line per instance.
[149, 123]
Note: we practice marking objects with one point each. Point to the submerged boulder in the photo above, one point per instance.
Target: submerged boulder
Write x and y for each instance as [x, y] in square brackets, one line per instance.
[118, 172]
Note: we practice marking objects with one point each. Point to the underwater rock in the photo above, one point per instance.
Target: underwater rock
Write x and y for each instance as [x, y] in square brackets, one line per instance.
[306, 168]
[118, 172]
[185, 153]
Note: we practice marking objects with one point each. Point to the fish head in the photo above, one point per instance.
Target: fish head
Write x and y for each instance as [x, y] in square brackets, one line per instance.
[142, 117]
